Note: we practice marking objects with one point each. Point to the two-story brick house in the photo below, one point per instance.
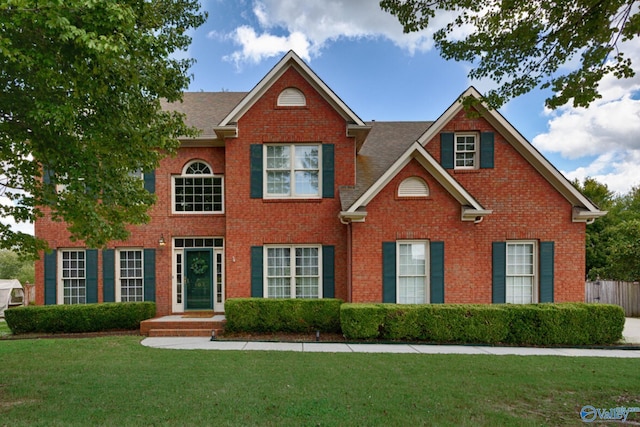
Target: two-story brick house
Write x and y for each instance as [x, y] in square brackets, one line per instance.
[287, 193]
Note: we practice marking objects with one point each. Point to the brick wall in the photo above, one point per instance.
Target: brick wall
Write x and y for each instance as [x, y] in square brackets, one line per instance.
[256, 222]
[525, 207]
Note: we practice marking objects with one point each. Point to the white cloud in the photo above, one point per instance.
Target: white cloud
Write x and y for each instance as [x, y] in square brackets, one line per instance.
[308, 26]
[608, 130]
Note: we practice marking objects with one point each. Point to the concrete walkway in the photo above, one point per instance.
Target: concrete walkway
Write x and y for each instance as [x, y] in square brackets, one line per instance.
[631, 337]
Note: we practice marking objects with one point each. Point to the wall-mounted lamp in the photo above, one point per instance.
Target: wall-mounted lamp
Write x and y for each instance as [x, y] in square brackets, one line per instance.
[161, 242]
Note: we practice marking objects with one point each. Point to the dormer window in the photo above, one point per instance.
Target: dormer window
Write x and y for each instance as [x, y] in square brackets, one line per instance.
[413, 187]
[291, 97]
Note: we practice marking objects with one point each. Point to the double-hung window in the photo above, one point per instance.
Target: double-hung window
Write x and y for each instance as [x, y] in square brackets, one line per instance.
[466, 149]
[73, 276]
[197, 190]
[292, 170]
[130, 277]
[412, 286]
[293, 272]
[520, 273]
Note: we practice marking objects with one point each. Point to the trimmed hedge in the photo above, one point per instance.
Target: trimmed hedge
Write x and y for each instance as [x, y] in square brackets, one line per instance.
[282, 315]
[79, 317]
[533, 324]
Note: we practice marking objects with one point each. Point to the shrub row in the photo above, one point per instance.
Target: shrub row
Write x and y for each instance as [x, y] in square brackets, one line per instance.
[79, 317]
[282, 315]
[534, 324]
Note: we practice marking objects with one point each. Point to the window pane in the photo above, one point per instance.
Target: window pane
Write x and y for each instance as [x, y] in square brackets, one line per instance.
[412, 278]
[73, 274]
[279, 182]
[307, 183]
[278, 157]
[131, 280]
[520, 273]
[306, 157]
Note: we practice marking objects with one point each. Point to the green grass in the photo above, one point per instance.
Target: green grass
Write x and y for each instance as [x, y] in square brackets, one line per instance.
[116, 381]
[4, 329]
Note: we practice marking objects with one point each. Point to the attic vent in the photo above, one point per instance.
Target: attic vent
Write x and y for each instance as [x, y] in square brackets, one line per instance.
[291, 97]
[413, 187]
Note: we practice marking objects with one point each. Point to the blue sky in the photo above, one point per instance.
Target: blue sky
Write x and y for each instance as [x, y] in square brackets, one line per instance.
[383, 74]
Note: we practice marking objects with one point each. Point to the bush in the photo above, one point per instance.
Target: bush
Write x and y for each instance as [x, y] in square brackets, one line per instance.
[282, 315]
[79, 317]
[534, 324]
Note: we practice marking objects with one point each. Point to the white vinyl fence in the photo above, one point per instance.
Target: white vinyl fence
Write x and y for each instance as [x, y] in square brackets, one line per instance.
[624, 294]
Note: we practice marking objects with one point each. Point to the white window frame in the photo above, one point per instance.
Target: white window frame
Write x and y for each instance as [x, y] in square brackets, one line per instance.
[510, 299]
[476, 141]
[292, 170]
[185, 175]
[427, 271]
[119, 277]
[292, 268]
[81, 275]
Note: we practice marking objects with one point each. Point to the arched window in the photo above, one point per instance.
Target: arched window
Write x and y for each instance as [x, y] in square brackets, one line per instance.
[413, 187]
[291, 97]
[197, 190]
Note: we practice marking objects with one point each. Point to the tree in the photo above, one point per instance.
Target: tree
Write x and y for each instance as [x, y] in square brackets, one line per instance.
[12, 267]
[521, 44]
[80, 116]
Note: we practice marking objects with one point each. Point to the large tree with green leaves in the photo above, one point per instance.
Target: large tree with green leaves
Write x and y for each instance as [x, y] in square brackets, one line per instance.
[521, 44]
[81, 83]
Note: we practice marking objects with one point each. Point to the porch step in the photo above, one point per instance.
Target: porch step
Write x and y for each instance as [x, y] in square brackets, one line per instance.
[183, 332]
[178, 325]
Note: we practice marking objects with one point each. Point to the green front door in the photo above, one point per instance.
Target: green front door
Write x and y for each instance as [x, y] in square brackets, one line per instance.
[199, 279]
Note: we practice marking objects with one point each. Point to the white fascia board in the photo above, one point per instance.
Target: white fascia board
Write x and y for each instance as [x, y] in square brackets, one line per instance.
[515, 138]
[291, 58]
[418, 152]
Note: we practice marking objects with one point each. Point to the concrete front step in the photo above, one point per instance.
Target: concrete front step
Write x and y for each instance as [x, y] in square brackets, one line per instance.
[183, 332]
[180, 325]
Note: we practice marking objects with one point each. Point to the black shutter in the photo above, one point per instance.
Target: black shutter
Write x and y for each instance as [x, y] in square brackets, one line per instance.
[499, 272]
[436, 264]
[257, 280]
[446, 150]
[256, 171]
[389, 272]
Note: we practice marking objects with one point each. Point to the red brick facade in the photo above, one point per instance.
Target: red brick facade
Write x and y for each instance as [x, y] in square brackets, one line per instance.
[523, 205]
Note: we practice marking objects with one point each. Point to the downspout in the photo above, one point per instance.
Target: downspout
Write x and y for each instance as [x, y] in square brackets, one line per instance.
[349, 225]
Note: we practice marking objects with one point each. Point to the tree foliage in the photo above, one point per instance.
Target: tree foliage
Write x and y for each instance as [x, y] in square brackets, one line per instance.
[13, 267]
[81, 84]
[521, 44]
[613, 242]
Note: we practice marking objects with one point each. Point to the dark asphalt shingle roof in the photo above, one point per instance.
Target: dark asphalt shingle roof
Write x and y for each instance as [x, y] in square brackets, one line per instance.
[204, 110]
[386, 142]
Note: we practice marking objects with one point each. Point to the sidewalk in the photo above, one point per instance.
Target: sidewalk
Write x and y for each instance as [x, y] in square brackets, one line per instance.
[631, 335]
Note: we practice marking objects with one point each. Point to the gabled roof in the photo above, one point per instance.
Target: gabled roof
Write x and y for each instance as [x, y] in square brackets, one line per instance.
[291, 60]
[389, 148]
[583, 209]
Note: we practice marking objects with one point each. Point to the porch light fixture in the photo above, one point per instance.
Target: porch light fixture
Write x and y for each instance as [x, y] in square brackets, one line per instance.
[213, 335]
[161, 242]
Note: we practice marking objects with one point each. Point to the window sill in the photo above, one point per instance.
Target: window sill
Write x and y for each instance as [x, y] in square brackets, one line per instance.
[292, 200]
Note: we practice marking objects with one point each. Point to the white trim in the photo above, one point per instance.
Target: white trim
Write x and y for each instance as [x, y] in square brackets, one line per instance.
[535, 290]
[184, 175]
[418, 152]
[292, 170]
[528, 151]
[292, 267]
[290, 60]
[476, 156]
[117, 272]
[427, 269]
[60, 279]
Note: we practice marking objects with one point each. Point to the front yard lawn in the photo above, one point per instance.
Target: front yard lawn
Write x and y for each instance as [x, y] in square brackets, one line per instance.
[116, 381]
